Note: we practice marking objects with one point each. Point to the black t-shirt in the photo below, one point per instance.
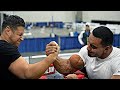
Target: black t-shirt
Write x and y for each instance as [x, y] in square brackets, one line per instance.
[8, 54]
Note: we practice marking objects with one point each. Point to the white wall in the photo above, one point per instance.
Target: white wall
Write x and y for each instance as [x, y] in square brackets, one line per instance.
[87, 16]
[66, 16]
[41, 16]
[79, 16]
[7, 12]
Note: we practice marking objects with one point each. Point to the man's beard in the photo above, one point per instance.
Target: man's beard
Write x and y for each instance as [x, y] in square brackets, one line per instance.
[90, 55]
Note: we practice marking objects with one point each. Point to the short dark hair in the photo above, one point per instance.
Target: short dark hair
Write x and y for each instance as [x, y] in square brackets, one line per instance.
[105, 34]
[13, 21]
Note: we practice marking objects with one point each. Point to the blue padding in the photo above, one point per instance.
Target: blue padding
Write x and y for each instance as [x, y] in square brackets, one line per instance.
[66, 43]
[41, 24]
[69, 43]
[116, 41]
[76, 33]
[35, 44]
[56, 24]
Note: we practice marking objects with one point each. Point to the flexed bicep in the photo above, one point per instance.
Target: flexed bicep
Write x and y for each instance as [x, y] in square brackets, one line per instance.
[70, 65]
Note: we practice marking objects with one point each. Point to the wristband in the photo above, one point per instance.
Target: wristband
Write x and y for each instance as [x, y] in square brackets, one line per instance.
[80, 76]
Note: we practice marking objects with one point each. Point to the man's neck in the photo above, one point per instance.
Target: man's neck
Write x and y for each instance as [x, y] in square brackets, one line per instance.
[2, 37]
[108, 53]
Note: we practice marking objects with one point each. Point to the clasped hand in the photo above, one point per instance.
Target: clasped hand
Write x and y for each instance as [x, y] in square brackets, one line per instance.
[51, 48]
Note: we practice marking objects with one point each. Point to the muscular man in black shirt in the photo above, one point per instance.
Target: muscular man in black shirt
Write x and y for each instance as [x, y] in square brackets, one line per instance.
[12, 64]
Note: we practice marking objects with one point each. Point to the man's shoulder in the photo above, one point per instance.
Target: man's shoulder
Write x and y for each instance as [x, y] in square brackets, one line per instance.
[6, 47]
[3, 42]
[84, 47]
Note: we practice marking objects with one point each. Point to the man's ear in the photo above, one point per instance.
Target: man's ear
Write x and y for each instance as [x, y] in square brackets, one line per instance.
[107, 47]
[8, 31]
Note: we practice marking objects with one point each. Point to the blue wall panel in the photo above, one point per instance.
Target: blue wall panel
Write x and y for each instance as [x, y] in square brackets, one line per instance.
[66, 43]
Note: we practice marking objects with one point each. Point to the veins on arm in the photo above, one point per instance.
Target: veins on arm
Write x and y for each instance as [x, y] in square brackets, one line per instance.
[63, 66]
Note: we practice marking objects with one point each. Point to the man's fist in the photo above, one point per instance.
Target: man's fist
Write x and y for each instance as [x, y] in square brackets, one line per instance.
[52, 47]
[71, 76]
